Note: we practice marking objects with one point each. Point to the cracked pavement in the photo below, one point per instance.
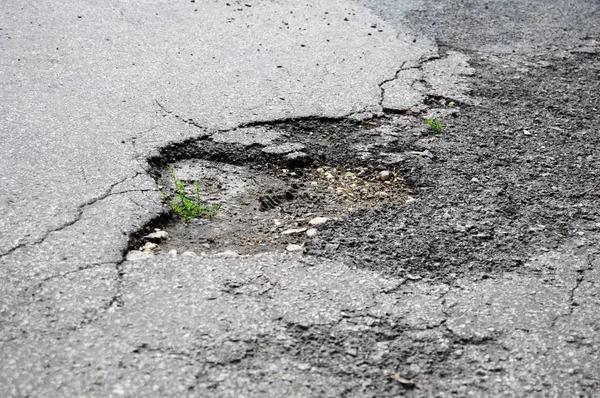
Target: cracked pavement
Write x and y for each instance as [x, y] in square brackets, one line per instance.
[90, 92]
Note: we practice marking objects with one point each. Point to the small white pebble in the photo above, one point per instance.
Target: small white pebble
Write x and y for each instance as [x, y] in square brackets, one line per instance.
[318, 221]
[227, 253]
[293, 248]
[384, 175]
[137, 255]
[158, 234]
[311, 232]
[149, 247]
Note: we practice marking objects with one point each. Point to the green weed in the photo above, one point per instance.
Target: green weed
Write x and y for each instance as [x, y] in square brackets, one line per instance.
[190, 207]
[435, 125]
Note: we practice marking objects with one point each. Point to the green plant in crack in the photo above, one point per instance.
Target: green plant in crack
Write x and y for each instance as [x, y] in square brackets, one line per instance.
[190, 206]
[435, 125]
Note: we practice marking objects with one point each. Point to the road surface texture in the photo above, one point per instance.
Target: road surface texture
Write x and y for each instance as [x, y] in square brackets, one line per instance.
[470, 267]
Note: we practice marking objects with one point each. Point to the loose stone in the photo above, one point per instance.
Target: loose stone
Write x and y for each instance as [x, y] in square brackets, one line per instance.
[227, 253]
[293, 248]
[293, 231]
[384, 175]
[297, 157]
[157, 235]
[318, 221]
[148, 247]
[137, 255]
[352, 352]
[311, 232]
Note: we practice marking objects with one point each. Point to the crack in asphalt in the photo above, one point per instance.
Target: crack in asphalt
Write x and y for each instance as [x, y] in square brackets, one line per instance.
[280, 121]
[472, 340]
[166, 111]
[419, 65]
[90, 316]
[391, 79]
[258, 123]
[145, 347]
[116, 301]
[317, 118]
[382, 91]
[571, 296]
[79, 269]
[80, 209]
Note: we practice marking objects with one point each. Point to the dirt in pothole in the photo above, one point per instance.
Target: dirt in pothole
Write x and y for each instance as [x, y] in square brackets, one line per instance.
[275, 195]
[268, 208]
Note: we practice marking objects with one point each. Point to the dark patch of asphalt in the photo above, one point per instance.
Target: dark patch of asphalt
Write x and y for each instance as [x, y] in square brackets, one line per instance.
[510, 178]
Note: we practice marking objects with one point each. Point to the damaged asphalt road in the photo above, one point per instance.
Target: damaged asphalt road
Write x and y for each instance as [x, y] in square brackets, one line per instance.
[483, 283]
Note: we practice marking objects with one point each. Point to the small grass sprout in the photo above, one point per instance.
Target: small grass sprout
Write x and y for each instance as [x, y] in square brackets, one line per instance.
[435, 125]
[191, 206]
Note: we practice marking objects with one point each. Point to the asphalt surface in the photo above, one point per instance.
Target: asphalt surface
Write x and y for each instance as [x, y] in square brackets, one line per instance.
[486, 285]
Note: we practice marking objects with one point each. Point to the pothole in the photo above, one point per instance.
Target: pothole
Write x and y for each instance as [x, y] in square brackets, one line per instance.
[278, 184]
[269, 208]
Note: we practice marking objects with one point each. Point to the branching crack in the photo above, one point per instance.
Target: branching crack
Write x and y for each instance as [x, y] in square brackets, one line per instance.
[418, 66]
[571, 298]
[383, 83]
[472, 340]
[80, 209]
[79, 269]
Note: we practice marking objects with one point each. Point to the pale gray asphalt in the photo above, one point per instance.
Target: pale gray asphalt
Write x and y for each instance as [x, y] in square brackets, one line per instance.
[84, 89]
[82, 86]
